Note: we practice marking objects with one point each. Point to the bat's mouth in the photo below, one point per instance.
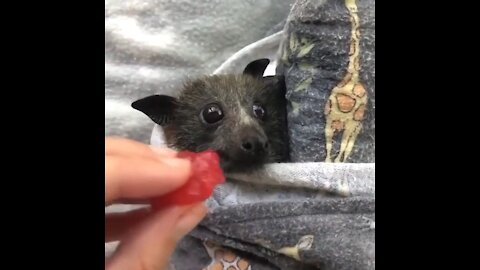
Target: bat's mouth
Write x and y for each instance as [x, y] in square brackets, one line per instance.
[240, 164]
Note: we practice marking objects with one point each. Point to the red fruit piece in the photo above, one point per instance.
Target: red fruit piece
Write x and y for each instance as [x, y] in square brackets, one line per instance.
[206, 174]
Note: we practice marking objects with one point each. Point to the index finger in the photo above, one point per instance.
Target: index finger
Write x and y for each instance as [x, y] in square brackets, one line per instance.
[143, 178]
[126, 147]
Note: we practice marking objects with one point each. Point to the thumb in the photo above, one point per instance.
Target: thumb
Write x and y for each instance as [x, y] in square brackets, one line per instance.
[150, 245]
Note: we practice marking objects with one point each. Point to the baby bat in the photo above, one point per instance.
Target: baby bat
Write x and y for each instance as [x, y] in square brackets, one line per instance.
[242, 117]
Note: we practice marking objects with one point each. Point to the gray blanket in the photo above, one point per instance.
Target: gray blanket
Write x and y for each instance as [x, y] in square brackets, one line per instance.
[152, 46]
[308, 214]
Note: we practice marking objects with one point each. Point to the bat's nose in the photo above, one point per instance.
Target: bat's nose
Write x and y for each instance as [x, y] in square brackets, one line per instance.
[254, 145]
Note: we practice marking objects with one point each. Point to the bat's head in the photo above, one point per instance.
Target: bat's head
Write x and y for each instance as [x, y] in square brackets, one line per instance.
[242, 117]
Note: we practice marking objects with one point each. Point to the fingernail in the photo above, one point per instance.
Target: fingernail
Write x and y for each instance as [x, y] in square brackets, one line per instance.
[176, 163]
[163, 150]
[189, 220]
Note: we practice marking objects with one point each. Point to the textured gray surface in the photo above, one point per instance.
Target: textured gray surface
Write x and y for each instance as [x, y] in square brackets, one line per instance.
[261, 212]
[137, 64]
[312, 74]
[152, 46]
[331, 234]
[285, 205]
[343, 179]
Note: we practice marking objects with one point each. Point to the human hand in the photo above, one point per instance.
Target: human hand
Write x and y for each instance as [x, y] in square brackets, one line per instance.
[134, 172]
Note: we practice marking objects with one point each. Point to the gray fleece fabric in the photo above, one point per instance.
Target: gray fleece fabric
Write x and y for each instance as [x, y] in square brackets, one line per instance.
[328, 59]
[307, 214]
[311, 234]
[153, 46]
[267, 220]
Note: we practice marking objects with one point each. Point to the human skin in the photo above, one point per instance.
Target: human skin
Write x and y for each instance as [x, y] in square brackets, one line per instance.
[135, 173]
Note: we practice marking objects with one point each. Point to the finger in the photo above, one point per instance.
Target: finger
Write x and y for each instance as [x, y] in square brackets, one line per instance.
[134, 178]
[133, 201]
[119, 224]
[151, 244]
[125, 147]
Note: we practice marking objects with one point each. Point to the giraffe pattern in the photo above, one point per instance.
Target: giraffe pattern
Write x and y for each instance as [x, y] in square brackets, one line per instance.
[345, 108]
[305, 243]
[224, 259]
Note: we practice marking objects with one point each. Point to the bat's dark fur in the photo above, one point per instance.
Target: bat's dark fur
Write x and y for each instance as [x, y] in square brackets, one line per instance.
[244, 140]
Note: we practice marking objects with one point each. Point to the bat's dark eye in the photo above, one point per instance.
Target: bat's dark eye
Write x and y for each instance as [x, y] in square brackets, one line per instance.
[212, 113]
[258, 111]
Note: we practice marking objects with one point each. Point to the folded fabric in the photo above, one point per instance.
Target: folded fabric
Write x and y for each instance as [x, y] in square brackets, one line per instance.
[307, 214]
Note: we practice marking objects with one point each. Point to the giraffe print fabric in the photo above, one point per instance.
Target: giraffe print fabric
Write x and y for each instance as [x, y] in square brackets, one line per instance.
[327, 234]
[317, 212]
[328, 59]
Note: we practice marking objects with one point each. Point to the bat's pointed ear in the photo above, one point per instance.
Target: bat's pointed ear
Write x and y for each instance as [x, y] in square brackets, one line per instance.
[158, 107]
[256, 68]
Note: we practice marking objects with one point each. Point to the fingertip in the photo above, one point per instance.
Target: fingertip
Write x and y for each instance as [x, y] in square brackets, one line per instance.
[163, 151]
[130, 178]
[180, 165]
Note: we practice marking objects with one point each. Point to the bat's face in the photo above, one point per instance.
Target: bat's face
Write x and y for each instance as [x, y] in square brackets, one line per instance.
[242, 117]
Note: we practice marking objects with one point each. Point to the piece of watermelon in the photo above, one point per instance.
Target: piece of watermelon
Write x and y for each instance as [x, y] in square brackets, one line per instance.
[206, 174]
